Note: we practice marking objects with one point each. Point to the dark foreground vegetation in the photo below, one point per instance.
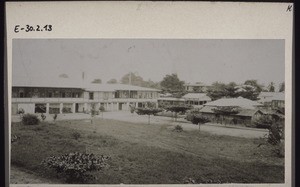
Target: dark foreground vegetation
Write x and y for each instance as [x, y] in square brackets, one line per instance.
[143, 154]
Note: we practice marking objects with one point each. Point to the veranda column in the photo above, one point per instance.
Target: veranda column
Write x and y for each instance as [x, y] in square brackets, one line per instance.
[60, 108]
[47, 108]
[73, 107]
[85, 107]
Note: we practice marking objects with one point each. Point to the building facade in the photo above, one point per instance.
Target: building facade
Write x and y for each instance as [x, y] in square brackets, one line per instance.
[75, 99]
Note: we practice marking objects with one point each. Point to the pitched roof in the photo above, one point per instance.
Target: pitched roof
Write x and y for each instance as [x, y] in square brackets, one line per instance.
[45, 82]
[242, 112]
[194, 84]
[197, 96]
[116, 87]
[240, 102]
[270, 96]
[170, 99]
[71, 83]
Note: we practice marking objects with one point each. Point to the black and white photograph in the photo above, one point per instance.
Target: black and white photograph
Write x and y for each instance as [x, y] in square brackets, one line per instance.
[148, 110]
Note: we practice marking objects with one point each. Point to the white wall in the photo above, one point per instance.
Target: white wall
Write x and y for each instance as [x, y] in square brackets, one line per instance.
[28, 107]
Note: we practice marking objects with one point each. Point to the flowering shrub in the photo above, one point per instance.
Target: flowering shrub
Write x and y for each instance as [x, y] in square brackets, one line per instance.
[75, 166]
[30, 119]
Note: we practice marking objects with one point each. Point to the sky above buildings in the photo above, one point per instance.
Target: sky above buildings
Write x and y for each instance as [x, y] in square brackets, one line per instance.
[194, 60]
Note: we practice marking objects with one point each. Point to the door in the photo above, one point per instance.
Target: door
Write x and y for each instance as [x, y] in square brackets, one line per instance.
[120, 106]
[76, 107]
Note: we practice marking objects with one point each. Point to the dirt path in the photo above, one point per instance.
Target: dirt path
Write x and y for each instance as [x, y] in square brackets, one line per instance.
[211, 128]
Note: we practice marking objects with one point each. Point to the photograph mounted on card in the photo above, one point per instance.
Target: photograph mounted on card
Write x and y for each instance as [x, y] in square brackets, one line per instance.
[155, 93]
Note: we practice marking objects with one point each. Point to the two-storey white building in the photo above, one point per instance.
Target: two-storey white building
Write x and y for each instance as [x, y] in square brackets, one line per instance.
[63, 97]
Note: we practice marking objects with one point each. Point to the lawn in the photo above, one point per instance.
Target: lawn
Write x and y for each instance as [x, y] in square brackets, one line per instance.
[148, 154]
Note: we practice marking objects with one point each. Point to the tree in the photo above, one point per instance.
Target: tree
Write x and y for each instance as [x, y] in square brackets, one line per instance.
[112, 81]
[172, 83]
[282, 87]
[148, 111]
[102, 109]
[258, 87]
[230, 90]
[216, 90]
[199, 119]
[133, 79]
[271, 87]
[250, 89]
[177, 109]
[97, 81]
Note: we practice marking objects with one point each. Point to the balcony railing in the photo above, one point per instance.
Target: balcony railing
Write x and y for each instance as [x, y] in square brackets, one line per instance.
[79, 100]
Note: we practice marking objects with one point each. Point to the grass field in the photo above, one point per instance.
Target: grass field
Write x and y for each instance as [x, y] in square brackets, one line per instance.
[148, 154]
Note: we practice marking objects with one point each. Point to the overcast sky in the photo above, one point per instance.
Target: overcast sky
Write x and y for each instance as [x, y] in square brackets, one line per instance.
[193, 60]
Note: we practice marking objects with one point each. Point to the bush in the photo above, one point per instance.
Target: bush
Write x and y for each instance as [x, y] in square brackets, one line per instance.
[178, 128]
[94, 112]
[265, 122]
[66, 110]
[76, 135]
[76, 167]
[279, 149]
[102, 109]
[43, 117]
[30, 119]
[21, 111]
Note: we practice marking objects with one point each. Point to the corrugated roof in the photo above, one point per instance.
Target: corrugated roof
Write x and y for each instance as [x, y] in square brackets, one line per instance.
[115, 87]
[247, 112]
[46, 82]
[194, 84]
[269, 96]
[240, 102]
[197, 96]
[242, 112]
[71, 83]
[170, 99]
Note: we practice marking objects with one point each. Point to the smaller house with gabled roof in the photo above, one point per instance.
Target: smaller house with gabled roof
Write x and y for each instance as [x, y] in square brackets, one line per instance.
[196, 99]
[232, 111]
[272, 100]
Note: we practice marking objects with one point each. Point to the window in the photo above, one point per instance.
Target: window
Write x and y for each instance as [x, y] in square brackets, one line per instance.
[21, 94]
[63, 94]
[91, 96]
[40, 108]
[50, 94]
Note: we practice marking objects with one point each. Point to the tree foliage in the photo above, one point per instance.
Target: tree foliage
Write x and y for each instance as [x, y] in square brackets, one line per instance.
[178, 109]
[271, 87]
[282, 87]
[135, 79]
[97, 81]
[219, 90]
[112, 81]
[274, 125]
[247, 91]
[254, 83]
[172, 83]
[226, 110]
